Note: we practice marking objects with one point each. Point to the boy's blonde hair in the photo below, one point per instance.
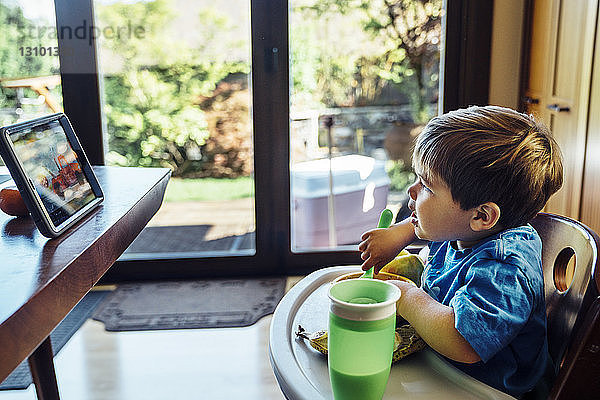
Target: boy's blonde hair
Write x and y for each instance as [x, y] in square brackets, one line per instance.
[492, 154]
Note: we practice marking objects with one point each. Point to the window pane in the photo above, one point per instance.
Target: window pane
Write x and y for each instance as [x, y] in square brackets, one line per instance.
[364, 81]
[177, 95]
[30, 69]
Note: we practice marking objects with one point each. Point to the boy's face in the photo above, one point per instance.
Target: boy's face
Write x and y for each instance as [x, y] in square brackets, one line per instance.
[436, 216]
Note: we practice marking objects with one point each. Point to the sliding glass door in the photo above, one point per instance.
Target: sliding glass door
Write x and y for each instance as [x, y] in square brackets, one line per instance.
[287, 125]
[176, 94]
[365, 77]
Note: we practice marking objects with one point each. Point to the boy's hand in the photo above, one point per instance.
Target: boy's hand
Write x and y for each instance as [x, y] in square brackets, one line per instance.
[380, 246]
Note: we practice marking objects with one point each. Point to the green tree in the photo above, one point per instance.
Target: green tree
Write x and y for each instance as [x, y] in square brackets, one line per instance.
[152, 99]
[150, 125]
[151, 46]
[404, 36]
[414, 29]
[19, 32]
[323, 72]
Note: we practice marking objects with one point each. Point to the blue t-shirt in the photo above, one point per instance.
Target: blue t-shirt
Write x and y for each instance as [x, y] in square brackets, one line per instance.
[496, 289]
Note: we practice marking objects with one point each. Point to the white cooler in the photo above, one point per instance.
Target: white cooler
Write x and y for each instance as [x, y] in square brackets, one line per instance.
[360, 190]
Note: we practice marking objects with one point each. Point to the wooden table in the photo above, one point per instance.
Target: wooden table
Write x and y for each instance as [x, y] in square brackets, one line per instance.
[302, 372]
[42, 279]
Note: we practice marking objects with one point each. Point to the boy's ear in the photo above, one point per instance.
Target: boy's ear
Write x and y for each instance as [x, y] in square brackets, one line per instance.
[485, 216]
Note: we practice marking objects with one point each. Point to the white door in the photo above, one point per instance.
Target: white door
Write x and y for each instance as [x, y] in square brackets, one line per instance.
[558, 92]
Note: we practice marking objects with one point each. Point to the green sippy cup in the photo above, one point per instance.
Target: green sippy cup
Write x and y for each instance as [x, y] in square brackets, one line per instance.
[362, 321]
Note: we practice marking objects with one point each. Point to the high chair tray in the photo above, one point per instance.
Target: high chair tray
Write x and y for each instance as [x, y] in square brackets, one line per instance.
[302, 372]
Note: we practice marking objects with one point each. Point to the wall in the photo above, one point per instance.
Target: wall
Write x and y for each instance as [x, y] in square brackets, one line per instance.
[506, 53]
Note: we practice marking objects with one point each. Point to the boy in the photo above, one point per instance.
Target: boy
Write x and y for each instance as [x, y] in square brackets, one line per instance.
[482, 174]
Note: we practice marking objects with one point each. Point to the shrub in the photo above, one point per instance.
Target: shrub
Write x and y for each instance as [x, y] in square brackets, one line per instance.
[401, 175]
[228, 152]
[151, 124]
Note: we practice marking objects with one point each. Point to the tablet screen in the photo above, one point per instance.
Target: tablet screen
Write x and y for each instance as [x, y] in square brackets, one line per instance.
[54, 169]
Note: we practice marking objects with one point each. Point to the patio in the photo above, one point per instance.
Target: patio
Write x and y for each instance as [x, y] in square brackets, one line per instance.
[226, 226]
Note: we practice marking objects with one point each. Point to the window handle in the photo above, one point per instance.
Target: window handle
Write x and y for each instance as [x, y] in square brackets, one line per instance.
[558, 108]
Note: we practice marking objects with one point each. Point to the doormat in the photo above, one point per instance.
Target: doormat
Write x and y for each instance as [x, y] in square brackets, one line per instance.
[215, 303]
[20, 378]
[186, 239]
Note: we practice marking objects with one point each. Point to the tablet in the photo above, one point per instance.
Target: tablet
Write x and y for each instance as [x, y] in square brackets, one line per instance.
[51, 170]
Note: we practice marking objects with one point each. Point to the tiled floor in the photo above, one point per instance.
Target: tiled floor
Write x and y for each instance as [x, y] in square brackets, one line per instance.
[210, 364]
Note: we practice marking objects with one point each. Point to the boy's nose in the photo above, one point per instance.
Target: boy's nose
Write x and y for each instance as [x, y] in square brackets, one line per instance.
[412, 192]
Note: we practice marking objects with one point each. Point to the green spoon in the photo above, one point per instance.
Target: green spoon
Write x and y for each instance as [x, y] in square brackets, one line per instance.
[385, 220]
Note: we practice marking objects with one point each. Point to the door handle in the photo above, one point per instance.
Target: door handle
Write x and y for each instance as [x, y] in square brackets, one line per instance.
[558, 108]
[272, 59]
[531, 100]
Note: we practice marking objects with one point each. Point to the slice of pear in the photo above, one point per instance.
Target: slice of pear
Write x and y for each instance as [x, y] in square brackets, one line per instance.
[407, 265]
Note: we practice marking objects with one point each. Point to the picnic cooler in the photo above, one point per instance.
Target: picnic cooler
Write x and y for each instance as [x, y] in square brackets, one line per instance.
[360, 190]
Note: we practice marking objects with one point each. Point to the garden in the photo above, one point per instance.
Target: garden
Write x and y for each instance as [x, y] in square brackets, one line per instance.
[186, 104]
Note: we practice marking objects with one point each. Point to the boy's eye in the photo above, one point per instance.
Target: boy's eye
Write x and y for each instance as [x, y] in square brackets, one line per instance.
[424, 185]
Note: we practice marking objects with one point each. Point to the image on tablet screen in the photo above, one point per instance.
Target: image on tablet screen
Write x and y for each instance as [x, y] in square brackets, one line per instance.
[53, 167]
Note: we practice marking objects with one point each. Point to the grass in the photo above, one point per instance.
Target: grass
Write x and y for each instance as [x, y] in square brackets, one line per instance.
[209, 189]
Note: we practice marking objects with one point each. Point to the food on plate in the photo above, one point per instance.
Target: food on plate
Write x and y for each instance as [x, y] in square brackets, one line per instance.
[407, 265]
[406, 342]
[384, 276]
